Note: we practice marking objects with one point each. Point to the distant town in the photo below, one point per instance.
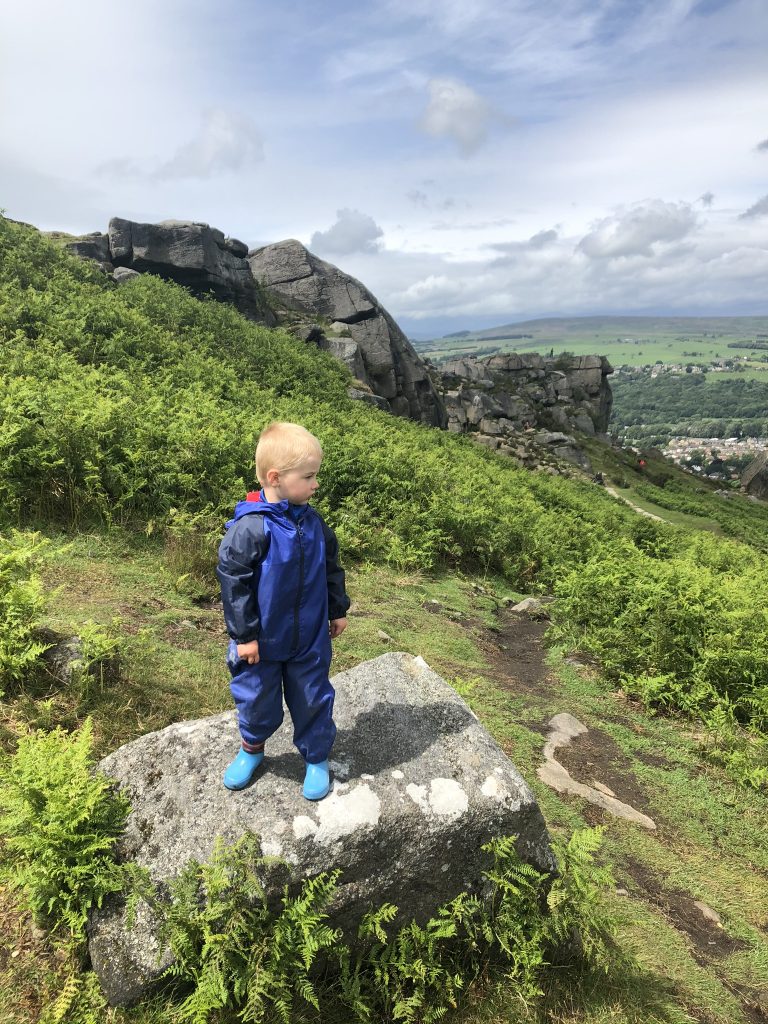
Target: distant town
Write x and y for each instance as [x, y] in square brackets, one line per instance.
[718, 456]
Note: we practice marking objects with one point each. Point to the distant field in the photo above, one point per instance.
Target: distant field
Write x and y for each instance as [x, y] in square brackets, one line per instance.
[631, 340]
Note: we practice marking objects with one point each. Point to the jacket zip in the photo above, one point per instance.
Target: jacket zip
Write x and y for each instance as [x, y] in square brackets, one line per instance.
[300, 534]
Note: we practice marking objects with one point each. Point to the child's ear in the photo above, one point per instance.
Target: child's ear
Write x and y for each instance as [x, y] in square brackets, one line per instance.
[273, 477]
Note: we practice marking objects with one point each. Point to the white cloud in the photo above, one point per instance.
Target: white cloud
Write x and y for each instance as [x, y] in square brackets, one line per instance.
[352, 232]
[717, 268]
[635, 231]
[225, 142]
[417, 197]
[457, 112]
[613, 102]
[758, 209]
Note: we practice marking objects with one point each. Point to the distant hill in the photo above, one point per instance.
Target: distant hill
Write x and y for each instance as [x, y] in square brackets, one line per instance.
[633, 340]
[647, 409]
[557, 328]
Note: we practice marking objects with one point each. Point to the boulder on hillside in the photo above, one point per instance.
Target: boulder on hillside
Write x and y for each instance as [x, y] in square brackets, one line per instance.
[754, 479]
[93, 246]
[526, 388]
[303, 283]
[419, 786]
[192, 254]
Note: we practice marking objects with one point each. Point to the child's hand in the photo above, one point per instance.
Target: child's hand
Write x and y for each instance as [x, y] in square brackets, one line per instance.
[249, 652]
[337, 627]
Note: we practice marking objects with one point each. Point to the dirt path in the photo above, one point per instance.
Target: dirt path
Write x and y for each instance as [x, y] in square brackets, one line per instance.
[516, 655]
[642, 511]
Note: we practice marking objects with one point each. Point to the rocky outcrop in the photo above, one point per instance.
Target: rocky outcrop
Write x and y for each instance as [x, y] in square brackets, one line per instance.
[419, 786]
[527, 406]
[498, 396]
[754, 479]
[193, 254]
[359, 330]
[281, 284]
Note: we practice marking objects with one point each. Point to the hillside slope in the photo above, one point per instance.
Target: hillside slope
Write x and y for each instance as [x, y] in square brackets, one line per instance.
[139, 407]
[127, 424]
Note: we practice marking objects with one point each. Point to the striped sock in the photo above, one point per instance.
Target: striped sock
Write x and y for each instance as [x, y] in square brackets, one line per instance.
[253, 748]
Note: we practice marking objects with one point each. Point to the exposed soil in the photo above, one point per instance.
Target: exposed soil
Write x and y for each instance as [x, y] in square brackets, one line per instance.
[710, 941]
[516, 663]
[754, 1004]
[516, 654]
[595, 757]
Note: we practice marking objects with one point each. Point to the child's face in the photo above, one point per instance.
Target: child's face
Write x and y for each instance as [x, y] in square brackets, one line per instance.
[299, 484]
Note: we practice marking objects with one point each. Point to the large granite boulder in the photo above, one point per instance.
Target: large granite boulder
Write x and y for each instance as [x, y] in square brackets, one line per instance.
[193, 254]
[93, 246]
[498, 399]
[754, 479]
[298, 280]
[419, 786]
[527, 389]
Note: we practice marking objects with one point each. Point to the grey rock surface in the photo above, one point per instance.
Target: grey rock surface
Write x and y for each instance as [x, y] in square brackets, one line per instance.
[192, 254]
[419, 786]
[303, 283]
[754, 479]
[369, 398]
[501, 395]
[564, 728]
[94, 246]
[121, 275]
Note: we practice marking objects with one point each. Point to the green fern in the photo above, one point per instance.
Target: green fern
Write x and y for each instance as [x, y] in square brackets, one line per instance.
[232, 949]
[21, 605]
[60, 823]
[578, 917]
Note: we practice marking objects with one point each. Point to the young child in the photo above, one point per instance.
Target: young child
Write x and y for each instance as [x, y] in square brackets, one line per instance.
[281, 586]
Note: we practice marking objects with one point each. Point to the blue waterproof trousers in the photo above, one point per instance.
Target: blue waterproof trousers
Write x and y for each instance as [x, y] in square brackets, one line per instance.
[258, 694]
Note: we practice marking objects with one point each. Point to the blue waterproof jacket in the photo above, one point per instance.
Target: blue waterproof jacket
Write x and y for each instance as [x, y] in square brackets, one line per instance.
[280, 576]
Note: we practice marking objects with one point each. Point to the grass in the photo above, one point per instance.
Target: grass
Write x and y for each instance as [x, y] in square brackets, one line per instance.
[711, 842]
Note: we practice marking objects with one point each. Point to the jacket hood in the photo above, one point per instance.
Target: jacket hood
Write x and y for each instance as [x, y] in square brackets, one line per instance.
[256, 502]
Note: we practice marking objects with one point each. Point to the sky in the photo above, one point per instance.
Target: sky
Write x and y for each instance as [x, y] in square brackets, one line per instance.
[472, 162]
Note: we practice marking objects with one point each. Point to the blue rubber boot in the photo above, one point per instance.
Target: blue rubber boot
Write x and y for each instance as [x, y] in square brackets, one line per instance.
[241, 771]
[317, 782]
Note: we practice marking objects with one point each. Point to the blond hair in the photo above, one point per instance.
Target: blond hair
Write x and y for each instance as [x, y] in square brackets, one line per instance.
[284, 446]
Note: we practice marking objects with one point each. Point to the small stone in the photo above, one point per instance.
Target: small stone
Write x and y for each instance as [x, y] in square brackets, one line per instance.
[384, 636]
[532, 606]
[187, 624]
[621, 892]
[122, 274]
[708, 913]
[432, 606]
